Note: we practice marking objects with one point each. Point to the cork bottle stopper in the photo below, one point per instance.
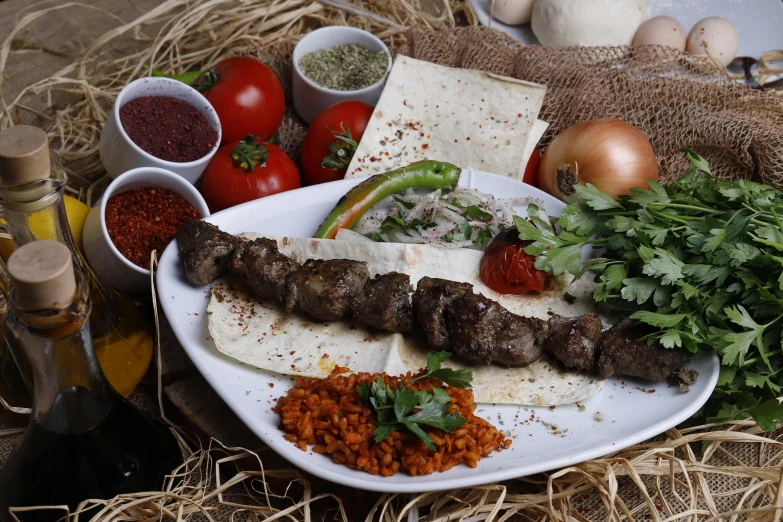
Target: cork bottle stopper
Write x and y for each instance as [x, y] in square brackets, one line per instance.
[24, 155]
[42, 273]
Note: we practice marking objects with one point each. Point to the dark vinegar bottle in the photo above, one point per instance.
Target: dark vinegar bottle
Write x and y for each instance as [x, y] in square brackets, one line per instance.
[84, 441]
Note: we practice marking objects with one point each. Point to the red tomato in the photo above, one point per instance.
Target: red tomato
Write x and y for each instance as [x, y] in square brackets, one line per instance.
[247, 97]
[226, 182]
[531, 169]
[331, 140]
[507, 269]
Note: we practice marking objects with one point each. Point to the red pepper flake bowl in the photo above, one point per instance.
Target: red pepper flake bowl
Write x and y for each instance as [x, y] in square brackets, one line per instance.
[119, 153]
[137, 220]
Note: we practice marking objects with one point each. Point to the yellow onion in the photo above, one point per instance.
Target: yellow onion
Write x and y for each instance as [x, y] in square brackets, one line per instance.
[612, 154]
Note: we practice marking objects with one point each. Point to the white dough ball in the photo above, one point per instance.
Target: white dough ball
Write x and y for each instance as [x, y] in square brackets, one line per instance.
[718, 34]
[661, 30]
[512, 12]
[565, 23]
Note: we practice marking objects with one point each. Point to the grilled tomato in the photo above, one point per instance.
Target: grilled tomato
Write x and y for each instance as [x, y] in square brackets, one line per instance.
[507, 269]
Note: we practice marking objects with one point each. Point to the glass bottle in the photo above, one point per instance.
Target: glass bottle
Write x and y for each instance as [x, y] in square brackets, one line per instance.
[83, 441]
[32, 184]
[14, 394]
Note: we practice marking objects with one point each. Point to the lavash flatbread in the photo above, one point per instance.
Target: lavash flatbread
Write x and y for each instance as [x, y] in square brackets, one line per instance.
[263, 335]
[472, 119]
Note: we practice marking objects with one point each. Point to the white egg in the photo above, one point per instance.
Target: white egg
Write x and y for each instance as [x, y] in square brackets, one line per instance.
[661, 30]
[717, 34]
[512, 12]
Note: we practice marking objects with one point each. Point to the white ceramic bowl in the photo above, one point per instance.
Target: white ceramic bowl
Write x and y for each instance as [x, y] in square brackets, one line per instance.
[310, 99]
[118, 152]
[101, 253]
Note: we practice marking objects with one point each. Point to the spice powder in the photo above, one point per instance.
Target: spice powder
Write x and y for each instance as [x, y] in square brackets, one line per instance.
[345, 67]
[143, 219]
[168, 128]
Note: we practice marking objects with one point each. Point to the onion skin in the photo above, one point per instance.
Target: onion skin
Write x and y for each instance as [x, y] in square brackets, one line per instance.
[612, 155]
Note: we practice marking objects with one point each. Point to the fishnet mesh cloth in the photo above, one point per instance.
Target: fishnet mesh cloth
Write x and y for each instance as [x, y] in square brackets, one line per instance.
[676, 100]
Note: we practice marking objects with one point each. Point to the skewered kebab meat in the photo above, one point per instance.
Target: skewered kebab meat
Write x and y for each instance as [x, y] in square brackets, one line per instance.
[324, 289]
[574, 340]
[430, 300]
[624, 353]
[262, 268]
[451, 315]
[482, 331]
[385, 303]
[205, 251]
[474, 328]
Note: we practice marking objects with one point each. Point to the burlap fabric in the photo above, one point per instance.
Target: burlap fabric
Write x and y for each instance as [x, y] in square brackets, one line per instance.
[676, 100]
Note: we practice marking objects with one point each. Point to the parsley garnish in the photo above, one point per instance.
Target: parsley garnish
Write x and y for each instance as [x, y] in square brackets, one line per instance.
[394, 407]
[399, 223]
[404, 203]
[469, 212]
[700, 260]
[463, 233]
[485, 237]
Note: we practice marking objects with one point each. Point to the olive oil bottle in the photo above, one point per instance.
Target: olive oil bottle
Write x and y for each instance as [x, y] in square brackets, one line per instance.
[83, 441]
[32, 184]
[14, 392]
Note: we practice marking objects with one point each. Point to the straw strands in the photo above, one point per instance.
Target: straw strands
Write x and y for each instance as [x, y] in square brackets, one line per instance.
[178, 36]
[661, 481]
[728, 471]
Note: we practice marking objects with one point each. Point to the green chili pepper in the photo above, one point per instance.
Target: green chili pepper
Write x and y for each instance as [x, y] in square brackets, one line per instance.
[421, 174]
[187, 77]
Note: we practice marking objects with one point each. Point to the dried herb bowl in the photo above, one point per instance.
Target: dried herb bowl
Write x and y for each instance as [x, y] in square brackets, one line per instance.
[102, 253]
[310, 97]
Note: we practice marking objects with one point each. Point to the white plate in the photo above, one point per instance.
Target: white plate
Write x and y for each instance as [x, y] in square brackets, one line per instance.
[758, 22]
[618, 416]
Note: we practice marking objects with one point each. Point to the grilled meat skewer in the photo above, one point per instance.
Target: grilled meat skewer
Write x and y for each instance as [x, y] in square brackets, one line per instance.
[262, 268]
[324, 289]
[574, 341]
[205, 250]
[430, 300]
[385, 303]
[482, 331]
[623, 353]
[451, 315]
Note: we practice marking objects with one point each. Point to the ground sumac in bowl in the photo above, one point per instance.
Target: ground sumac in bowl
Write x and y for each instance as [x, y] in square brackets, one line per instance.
[168, 128]
[145, 219]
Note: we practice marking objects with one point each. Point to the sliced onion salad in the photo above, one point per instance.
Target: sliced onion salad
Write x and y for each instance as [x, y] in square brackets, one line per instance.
[461, 218]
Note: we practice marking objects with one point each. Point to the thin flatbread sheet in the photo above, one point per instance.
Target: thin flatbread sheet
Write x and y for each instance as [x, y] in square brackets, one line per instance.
[469, 118]
[263, 335]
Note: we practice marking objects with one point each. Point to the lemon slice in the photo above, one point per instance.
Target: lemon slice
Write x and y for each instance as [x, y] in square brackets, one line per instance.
[41, 224]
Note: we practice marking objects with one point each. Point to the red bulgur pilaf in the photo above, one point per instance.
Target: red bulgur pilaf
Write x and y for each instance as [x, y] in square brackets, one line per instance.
[329, 415]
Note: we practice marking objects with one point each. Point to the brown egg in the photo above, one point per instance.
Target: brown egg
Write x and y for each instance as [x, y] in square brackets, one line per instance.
[661, 30]
[717, 34]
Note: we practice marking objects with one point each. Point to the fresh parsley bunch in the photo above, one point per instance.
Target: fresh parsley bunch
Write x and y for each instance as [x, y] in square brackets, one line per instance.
[700, 259]
[393, 406]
